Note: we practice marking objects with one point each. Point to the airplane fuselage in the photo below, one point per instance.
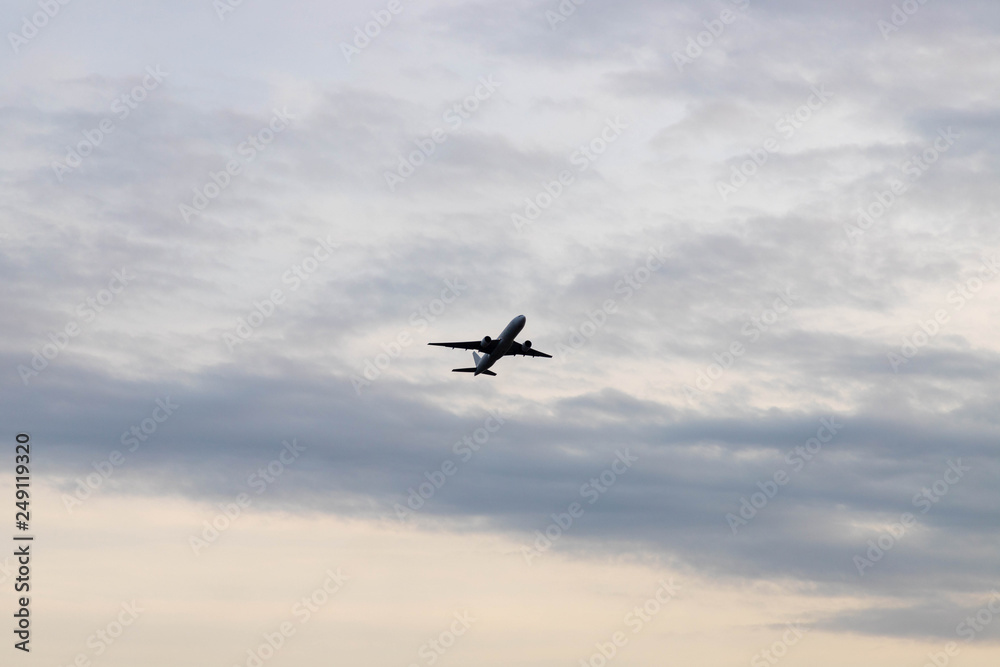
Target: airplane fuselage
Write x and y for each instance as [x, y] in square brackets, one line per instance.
[504, 341]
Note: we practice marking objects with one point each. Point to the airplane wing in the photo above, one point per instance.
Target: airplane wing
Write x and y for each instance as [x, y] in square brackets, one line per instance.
[517, 348]
[469, 345]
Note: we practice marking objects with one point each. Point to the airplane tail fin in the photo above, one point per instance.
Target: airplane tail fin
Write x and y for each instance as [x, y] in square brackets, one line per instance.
[477, 359]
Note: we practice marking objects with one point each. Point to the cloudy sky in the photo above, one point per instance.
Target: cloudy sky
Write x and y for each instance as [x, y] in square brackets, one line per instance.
[758, 238]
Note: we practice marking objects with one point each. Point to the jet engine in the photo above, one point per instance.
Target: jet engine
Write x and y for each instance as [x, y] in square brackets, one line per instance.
[526, 344]
[485, 342]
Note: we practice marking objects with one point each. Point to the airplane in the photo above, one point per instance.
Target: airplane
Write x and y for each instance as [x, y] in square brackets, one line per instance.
[494, 349]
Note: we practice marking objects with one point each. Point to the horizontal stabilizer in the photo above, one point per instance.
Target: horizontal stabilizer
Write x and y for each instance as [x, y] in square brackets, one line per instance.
[471, 370]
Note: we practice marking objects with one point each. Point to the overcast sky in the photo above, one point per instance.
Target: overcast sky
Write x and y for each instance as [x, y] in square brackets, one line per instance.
[758, 238]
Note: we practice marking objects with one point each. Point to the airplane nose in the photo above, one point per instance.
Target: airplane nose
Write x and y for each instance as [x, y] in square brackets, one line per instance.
[522, 319]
